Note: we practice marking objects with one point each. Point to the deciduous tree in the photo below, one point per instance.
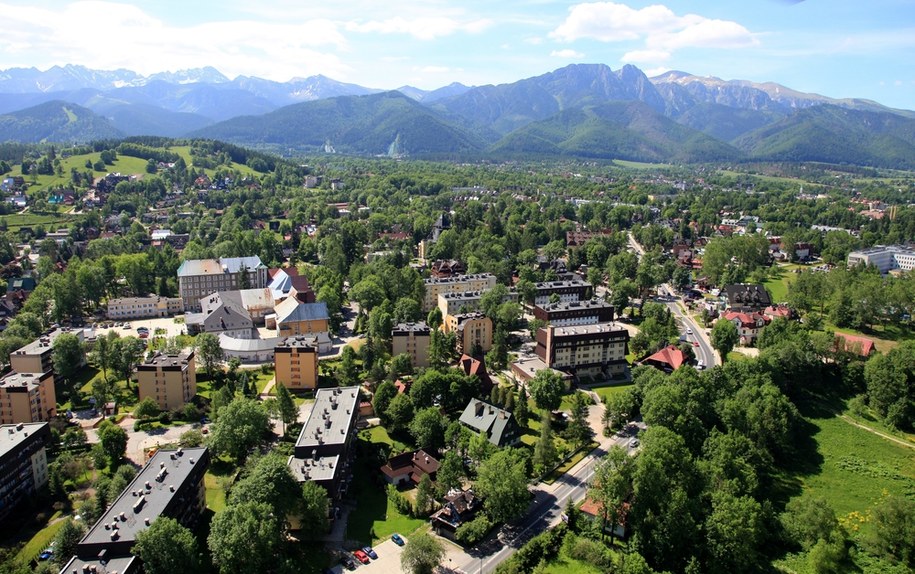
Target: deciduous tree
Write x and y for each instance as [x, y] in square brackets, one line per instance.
[167, 547]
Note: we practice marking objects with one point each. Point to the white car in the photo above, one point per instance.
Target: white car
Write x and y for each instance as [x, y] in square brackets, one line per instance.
[689, 331]
[633, 443]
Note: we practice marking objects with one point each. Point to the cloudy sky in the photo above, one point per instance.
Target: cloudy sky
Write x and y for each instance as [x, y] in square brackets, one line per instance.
[839, 48]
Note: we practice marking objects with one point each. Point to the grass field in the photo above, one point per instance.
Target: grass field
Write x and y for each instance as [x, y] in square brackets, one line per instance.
[51, 222]
[778, 285]
[606, 392]
[640, 165]
[41, 540]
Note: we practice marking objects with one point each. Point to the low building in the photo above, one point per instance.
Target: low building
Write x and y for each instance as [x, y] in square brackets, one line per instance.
[457, 284]
[568, 313]
[322, 452]
[442, 268]
[296, 363]
[27, 398]
[219, 316]
[36, 356]
[170, 485]
[885, 258]
[472, 329]
[526, 369]
[23, 462]
[498, 425]
[572, 290]
[594, 510]
[408, 468]
[144, 307]
[861, 346]
[475, 367]
[746, 297]
[598, 349]
[748, 325]
[249, 349]
[412, 339]
[460, 507]
[668, 359]
[296, 318]
[170, 380]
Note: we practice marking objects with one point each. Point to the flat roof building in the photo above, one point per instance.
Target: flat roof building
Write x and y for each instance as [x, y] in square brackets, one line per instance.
[472, 329]
[171, 380]
[572, 290]
[23, 462]
[568, 313]
[143, 307]
[598, 349]
[457, 284]
[412, 339]
[886, 258]
[35, 357]
[198, 278]
[296, 363]
[27, 398]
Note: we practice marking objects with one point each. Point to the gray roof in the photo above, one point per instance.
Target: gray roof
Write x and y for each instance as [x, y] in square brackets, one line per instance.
[320, 468]
[155, 498]
[571, 305]
[291, 309]
[44, 343]
[419, 328]
[331, 417]
[29, 381]
[194, 267]
[122, 565]
[459, 279]
[12, 436]
[590, 330]
[498, 424]
[247, 345]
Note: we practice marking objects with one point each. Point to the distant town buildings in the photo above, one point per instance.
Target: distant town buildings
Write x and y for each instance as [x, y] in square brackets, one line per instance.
[886, 258]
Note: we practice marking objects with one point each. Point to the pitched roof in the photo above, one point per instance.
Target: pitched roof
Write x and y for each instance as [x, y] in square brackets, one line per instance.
[855, 344]
[486, 418]
[417, 462]
[746, 319]
[669, 355]
[291, 309]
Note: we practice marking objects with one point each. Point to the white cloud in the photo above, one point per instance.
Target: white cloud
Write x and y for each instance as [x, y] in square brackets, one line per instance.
[652, 72]
[661, 30]
[567, 53]
[424, 28]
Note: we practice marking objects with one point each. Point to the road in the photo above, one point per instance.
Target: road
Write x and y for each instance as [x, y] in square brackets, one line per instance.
[704, 352]
[545, 511]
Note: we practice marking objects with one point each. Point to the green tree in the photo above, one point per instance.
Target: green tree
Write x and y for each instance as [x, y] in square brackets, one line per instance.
[400, 365]
[146, 409]
[546, 389]
[126, 353]
[893, 535]
[724, 337]
[428, 428]
[384, 394]
[808, 519]
[502, 483]
[400, 412]
[315, 506]
[66, 539]
[735, 531]
[166, 547]
[451, 472]
[113, 440]
[611, 486]
[67, 355]
[348, 370]
[210, 353]
[422, 555]
[545, 454]
[425, 496]
[240, 427]
[269, 482]
[289, 413]
[245, 537]
[102, 352]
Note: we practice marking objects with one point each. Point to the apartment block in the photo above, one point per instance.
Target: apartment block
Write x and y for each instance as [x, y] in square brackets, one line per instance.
[570, 313]
[471, 329]
[572, 290]
[436, 286]
[27, 398]
[886, 258]
[36, 356]
[296, 362]
[23, 462]
[598, 349]
[171, 380]
[198, 278]
[412, 339]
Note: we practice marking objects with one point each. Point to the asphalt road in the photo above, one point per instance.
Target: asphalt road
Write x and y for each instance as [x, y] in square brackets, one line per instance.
[545, 511]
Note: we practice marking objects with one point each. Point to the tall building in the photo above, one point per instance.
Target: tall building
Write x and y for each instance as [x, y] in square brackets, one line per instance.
[458, 284]
[296, 363]
[36, 356]
[598, 349]
[886, 258]
[198, 278]
[27, 398]
[412, 339]
[471, 329]
[322, 451]
[171, 380]
[572, 290]
[23, 462]
[568, 313]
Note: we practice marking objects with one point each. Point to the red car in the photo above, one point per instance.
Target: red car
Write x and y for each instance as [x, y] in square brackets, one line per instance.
[361, 556]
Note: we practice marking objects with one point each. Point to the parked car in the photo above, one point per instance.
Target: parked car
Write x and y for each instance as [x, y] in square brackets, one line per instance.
[397, 539]
[347, 561]
[361, 556]
[633, 443]
[371, 552]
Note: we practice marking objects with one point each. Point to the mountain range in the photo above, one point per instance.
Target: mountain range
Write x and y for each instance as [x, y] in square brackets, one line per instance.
[581, 110]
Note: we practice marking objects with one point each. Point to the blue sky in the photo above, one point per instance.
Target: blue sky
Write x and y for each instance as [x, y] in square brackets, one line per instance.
[838, 48]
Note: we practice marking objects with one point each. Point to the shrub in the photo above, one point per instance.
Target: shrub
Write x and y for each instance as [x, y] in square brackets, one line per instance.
[401, 503]
[472, 532]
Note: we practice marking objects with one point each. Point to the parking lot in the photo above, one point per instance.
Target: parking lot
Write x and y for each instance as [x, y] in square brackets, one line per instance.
[388, 561]
[171, 328]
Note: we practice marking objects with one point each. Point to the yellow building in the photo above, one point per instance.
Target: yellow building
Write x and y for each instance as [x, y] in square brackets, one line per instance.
[471, 329]
[171, 380]
[412, 339]
[27, 398]
[434, 286]
[296, 362]
[36, 356]
[296, 318]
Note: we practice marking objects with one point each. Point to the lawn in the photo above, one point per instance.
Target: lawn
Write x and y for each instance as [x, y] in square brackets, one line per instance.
[778, 285]
[375, 517]
[41, 540]
[606, 392]
[220, 470]
[50, 221]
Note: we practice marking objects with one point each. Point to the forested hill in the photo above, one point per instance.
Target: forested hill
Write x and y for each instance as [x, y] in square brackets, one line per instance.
[55, 121]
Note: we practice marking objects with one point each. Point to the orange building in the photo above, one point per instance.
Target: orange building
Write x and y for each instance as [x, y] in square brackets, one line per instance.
[171, 380]
[296, 363]
[27, 398]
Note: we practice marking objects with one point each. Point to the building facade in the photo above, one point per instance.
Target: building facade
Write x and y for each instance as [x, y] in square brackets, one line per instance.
[598, 349]
[171, 380]
[27, 398]
[23, 462]
[436, 286]
[412, 339]
[296, 363]
[143, 307]
[886, 258]
[571, 313]
[198, 278]
[471, 329]
[572, 290]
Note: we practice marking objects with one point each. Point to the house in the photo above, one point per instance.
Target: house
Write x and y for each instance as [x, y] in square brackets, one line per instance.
[441, 268]
[408, 468]
[23, 462]
[861, 346]
[412, 339]
[668, 359]
[472, 366]
[170, 380]
[778, 312]
[746, 297]
[296, 318]
[497, 424]
[594, 510]
[460, 507]
[748, 324]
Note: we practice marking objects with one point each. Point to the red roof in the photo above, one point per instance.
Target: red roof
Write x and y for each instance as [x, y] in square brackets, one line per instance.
[853, 343]
[669, 355]
[746, 319]
[779, 311]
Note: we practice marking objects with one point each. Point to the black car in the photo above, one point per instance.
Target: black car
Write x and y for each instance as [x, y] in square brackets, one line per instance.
[348, 562]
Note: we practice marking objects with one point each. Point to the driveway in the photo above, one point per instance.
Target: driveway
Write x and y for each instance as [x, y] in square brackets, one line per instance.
[138, 442]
